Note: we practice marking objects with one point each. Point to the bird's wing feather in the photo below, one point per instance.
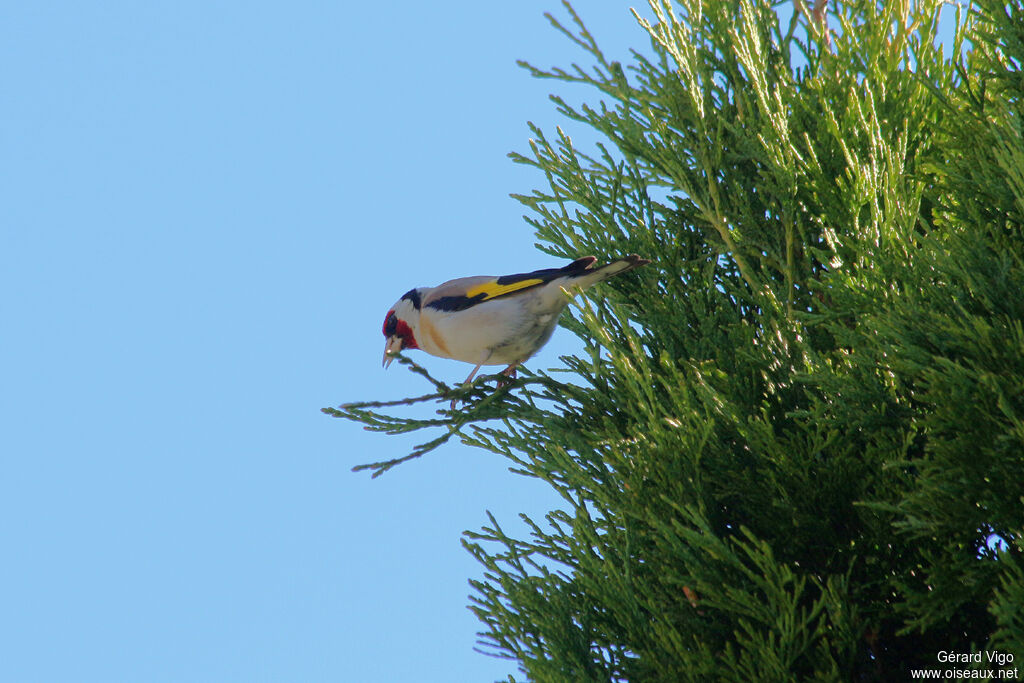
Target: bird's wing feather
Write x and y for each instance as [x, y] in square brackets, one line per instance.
[458, 295]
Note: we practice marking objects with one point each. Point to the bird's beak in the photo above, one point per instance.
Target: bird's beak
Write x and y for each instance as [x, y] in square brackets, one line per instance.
[391, 349]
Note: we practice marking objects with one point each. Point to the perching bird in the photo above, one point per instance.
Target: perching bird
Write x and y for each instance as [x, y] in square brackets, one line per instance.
[491, 320]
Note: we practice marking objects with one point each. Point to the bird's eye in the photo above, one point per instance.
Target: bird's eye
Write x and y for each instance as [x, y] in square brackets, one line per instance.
[390, 324]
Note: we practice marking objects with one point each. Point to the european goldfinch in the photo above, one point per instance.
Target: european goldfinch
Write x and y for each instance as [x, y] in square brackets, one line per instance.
[491, 320]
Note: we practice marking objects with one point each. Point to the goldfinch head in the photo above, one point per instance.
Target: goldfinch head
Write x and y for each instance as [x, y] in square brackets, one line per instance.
[400, 324]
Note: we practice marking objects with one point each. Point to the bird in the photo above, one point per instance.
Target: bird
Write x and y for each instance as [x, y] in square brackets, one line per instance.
[486, 320]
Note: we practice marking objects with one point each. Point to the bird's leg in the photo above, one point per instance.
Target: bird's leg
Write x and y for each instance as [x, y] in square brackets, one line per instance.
[509, 372]
[472, 375]
[468, 380]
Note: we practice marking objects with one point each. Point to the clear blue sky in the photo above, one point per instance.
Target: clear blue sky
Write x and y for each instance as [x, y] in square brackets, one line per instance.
[206, 210]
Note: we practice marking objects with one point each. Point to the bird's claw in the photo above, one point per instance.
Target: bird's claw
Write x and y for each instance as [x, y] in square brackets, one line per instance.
[507, 375]
[505, 378]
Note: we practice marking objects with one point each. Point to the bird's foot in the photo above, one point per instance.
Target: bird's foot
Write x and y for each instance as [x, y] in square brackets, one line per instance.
[510, 373]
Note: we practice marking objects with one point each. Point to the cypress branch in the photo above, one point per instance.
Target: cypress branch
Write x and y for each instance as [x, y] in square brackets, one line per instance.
[793, 446]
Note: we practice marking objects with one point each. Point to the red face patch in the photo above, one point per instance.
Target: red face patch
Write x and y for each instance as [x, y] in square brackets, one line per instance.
[390, 323]
[405, 332]
[393, 327]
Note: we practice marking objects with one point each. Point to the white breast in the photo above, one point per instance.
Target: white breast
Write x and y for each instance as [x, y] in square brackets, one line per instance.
[498, 332]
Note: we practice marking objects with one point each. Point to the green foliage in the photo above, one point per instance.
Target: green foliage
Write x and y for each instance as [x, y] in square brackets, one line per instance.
[794, 446]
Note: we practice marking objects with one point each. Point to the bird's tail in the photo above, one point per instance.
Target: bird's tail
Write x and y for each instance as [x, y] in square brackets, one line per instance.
[584, 275]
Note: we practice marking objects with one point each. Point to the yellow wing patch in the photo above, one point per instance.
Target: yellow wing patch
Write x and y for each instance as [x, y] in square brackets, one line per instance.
[492, 289]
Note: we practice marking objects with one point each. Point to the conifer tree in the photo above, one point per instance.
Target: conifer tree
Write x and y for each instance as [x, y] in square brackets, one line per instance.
[793, 448]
